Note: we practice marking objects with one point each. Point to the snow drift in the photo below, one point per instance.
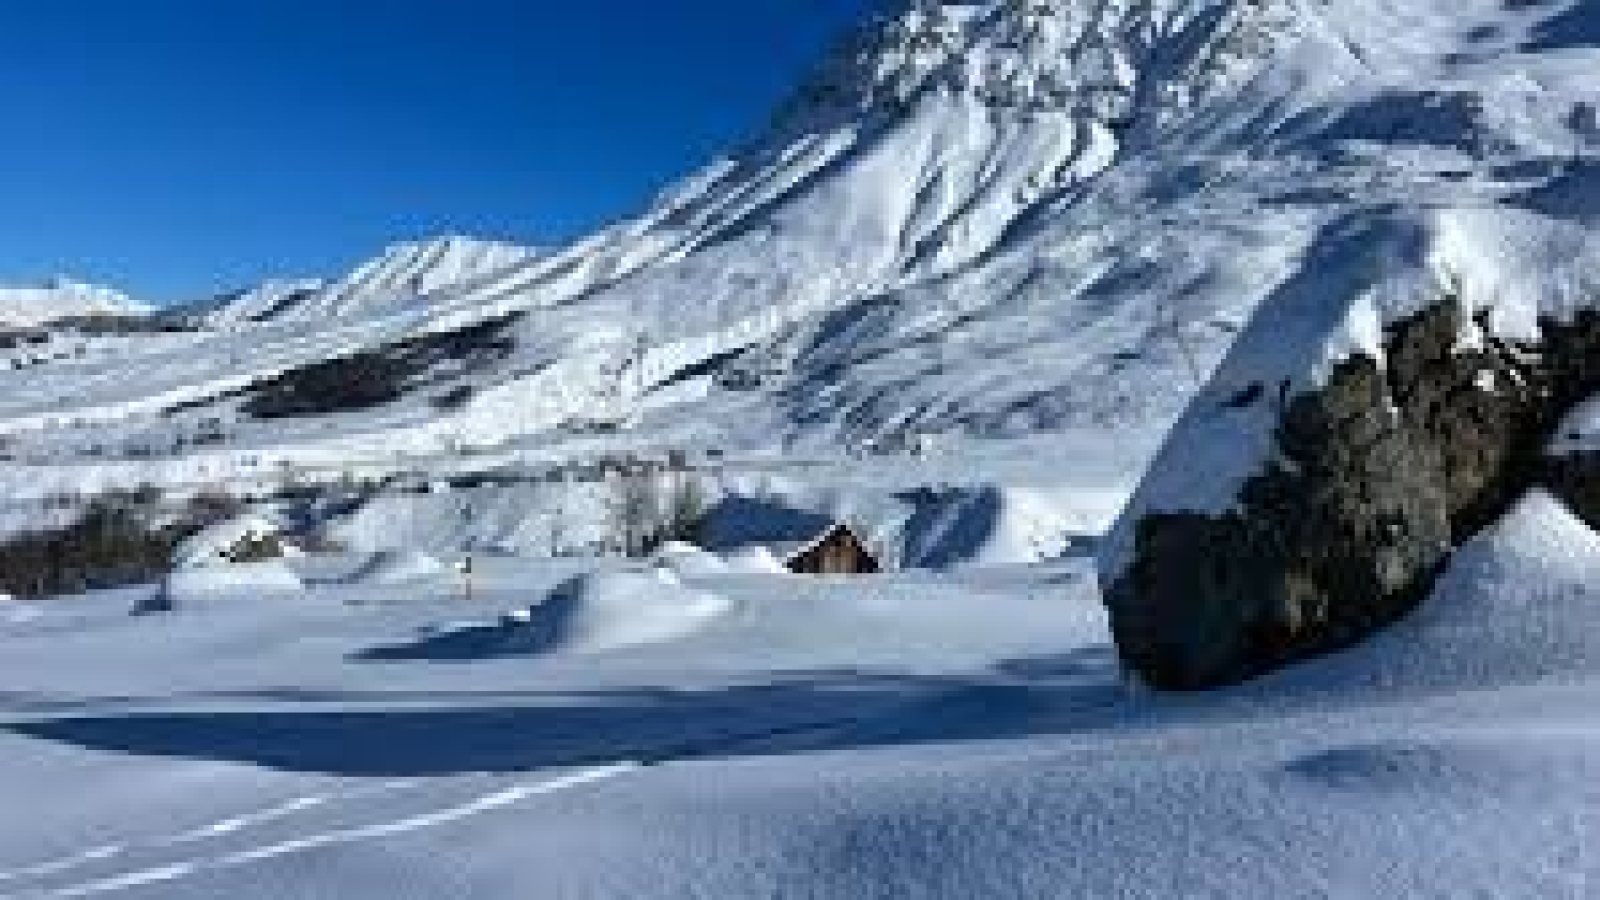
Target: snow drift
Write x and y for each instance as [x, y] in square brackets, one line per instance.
[1517, 605]
[622, 610]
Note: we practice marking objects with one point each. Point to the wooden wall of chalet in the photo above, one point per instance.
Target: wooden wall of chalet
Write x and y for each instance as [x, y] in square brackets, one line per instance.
[840, 553]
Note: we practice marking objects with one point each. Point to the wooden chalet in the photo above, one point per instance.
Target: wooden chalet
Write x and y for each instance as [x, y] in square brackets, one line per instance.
[804, 542]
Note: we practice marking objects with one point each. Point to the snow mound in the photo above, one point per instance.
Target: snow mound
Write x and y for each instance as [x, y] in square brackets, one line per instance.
[401, 567]
[609, 611]
[1519, 604]
[272, 577]
[689, 560]
[755, 561]
[212, 546]
[15, 612]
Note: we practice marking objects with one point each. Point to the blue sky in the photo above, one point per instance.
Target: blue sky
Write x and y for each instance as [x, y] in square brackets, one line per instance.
[176, 148]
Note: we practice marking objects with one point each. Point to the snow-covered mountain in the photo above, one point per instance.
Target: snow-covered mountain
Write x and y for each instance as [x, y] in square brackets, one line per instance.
[402, 273]
[270, 300]
[924, 241]
[1407, 382]
[63, 298]
[995, 220]
[1308, 290]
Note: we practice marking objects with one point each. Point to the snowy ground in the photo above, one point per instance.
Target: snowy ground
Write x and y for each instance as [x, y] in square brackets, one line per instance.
[905, 736]
[1014, 237]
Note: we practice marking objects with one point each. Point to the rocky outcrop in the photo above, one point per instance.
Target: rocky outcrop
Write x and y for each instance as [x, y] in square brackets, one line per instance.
[373, 378]
[1374, 478]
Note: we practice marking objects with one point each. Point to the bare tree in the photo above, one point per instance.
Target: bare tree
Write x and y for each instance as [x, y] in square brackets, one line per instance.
[685, 508]
[636, 512]
[650, 508]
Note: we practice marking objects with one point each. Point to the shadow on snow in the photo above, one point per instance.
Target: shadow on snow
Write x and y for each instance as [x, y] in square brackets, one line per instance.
[818, 711]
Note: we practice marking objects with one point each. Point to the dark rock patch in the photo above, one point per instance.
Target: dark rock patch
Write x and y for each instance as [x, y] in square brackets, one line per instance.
[1376, 478]
[1576, 480]
[114, 325]
[1246, 397]
[373, 378]
[282, 305]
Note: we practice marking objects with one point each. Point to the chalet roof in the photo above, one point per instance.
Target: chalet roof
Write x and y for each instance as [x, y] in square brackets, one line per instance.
[741, 523]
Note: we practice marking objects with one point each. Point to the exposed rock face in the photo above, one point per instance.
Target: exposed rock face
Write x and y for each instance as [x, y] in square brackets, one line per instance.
[1576, 480]
[1377, 476]
[375, 377]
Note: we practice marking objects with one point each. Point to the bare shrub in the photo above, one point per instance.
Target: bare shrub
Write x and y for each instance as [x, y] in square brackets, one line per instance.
[636, 513]
[119, 539]
[651, 508]
[685, 513]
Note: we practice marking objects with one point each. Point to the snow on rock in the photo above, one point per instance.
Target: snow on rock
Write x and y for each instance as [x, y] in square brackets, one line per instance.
[1507, 271]
[217, 544]
[1375, 412]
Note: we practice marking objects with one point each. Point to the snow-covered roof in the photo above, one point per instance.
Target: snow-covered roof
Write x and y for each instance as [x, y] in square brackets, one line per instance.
[741, 523]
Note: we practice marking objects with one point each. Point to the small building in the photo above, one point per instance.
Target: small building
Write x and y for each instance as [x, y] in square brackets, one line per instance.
[802, 541]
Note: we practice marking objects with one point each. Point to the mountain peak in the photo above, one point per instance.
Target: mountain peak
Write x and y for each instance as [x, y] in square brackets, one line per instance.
[1039, 56]
[401, 272]
[61, 297]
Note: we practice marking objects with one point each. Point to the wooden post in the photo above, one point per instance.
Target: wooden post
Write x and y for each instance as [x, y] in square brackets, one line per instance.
[465, 568]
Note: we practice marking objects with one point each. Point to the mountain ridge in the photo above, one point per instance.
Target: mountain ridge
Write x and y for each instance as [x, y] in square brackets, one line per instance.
[979, 220]
[63, 298]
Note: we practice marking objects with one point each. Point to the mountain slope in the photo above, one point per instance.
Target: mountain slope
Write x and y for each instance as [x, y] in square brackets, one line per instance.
[406, 272]
[930, 144]
[1399, 391]
[978, 220]
[63, 298]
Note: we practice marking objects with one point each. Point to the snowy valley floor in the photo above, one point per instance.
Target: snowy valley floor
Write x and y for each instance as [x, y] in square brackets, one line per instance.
[921, 736]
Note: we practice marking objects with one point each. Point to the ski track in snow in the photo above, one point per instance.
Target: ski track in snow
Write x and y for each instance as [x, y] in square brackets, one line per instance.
[156, 872]
[220, 828]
